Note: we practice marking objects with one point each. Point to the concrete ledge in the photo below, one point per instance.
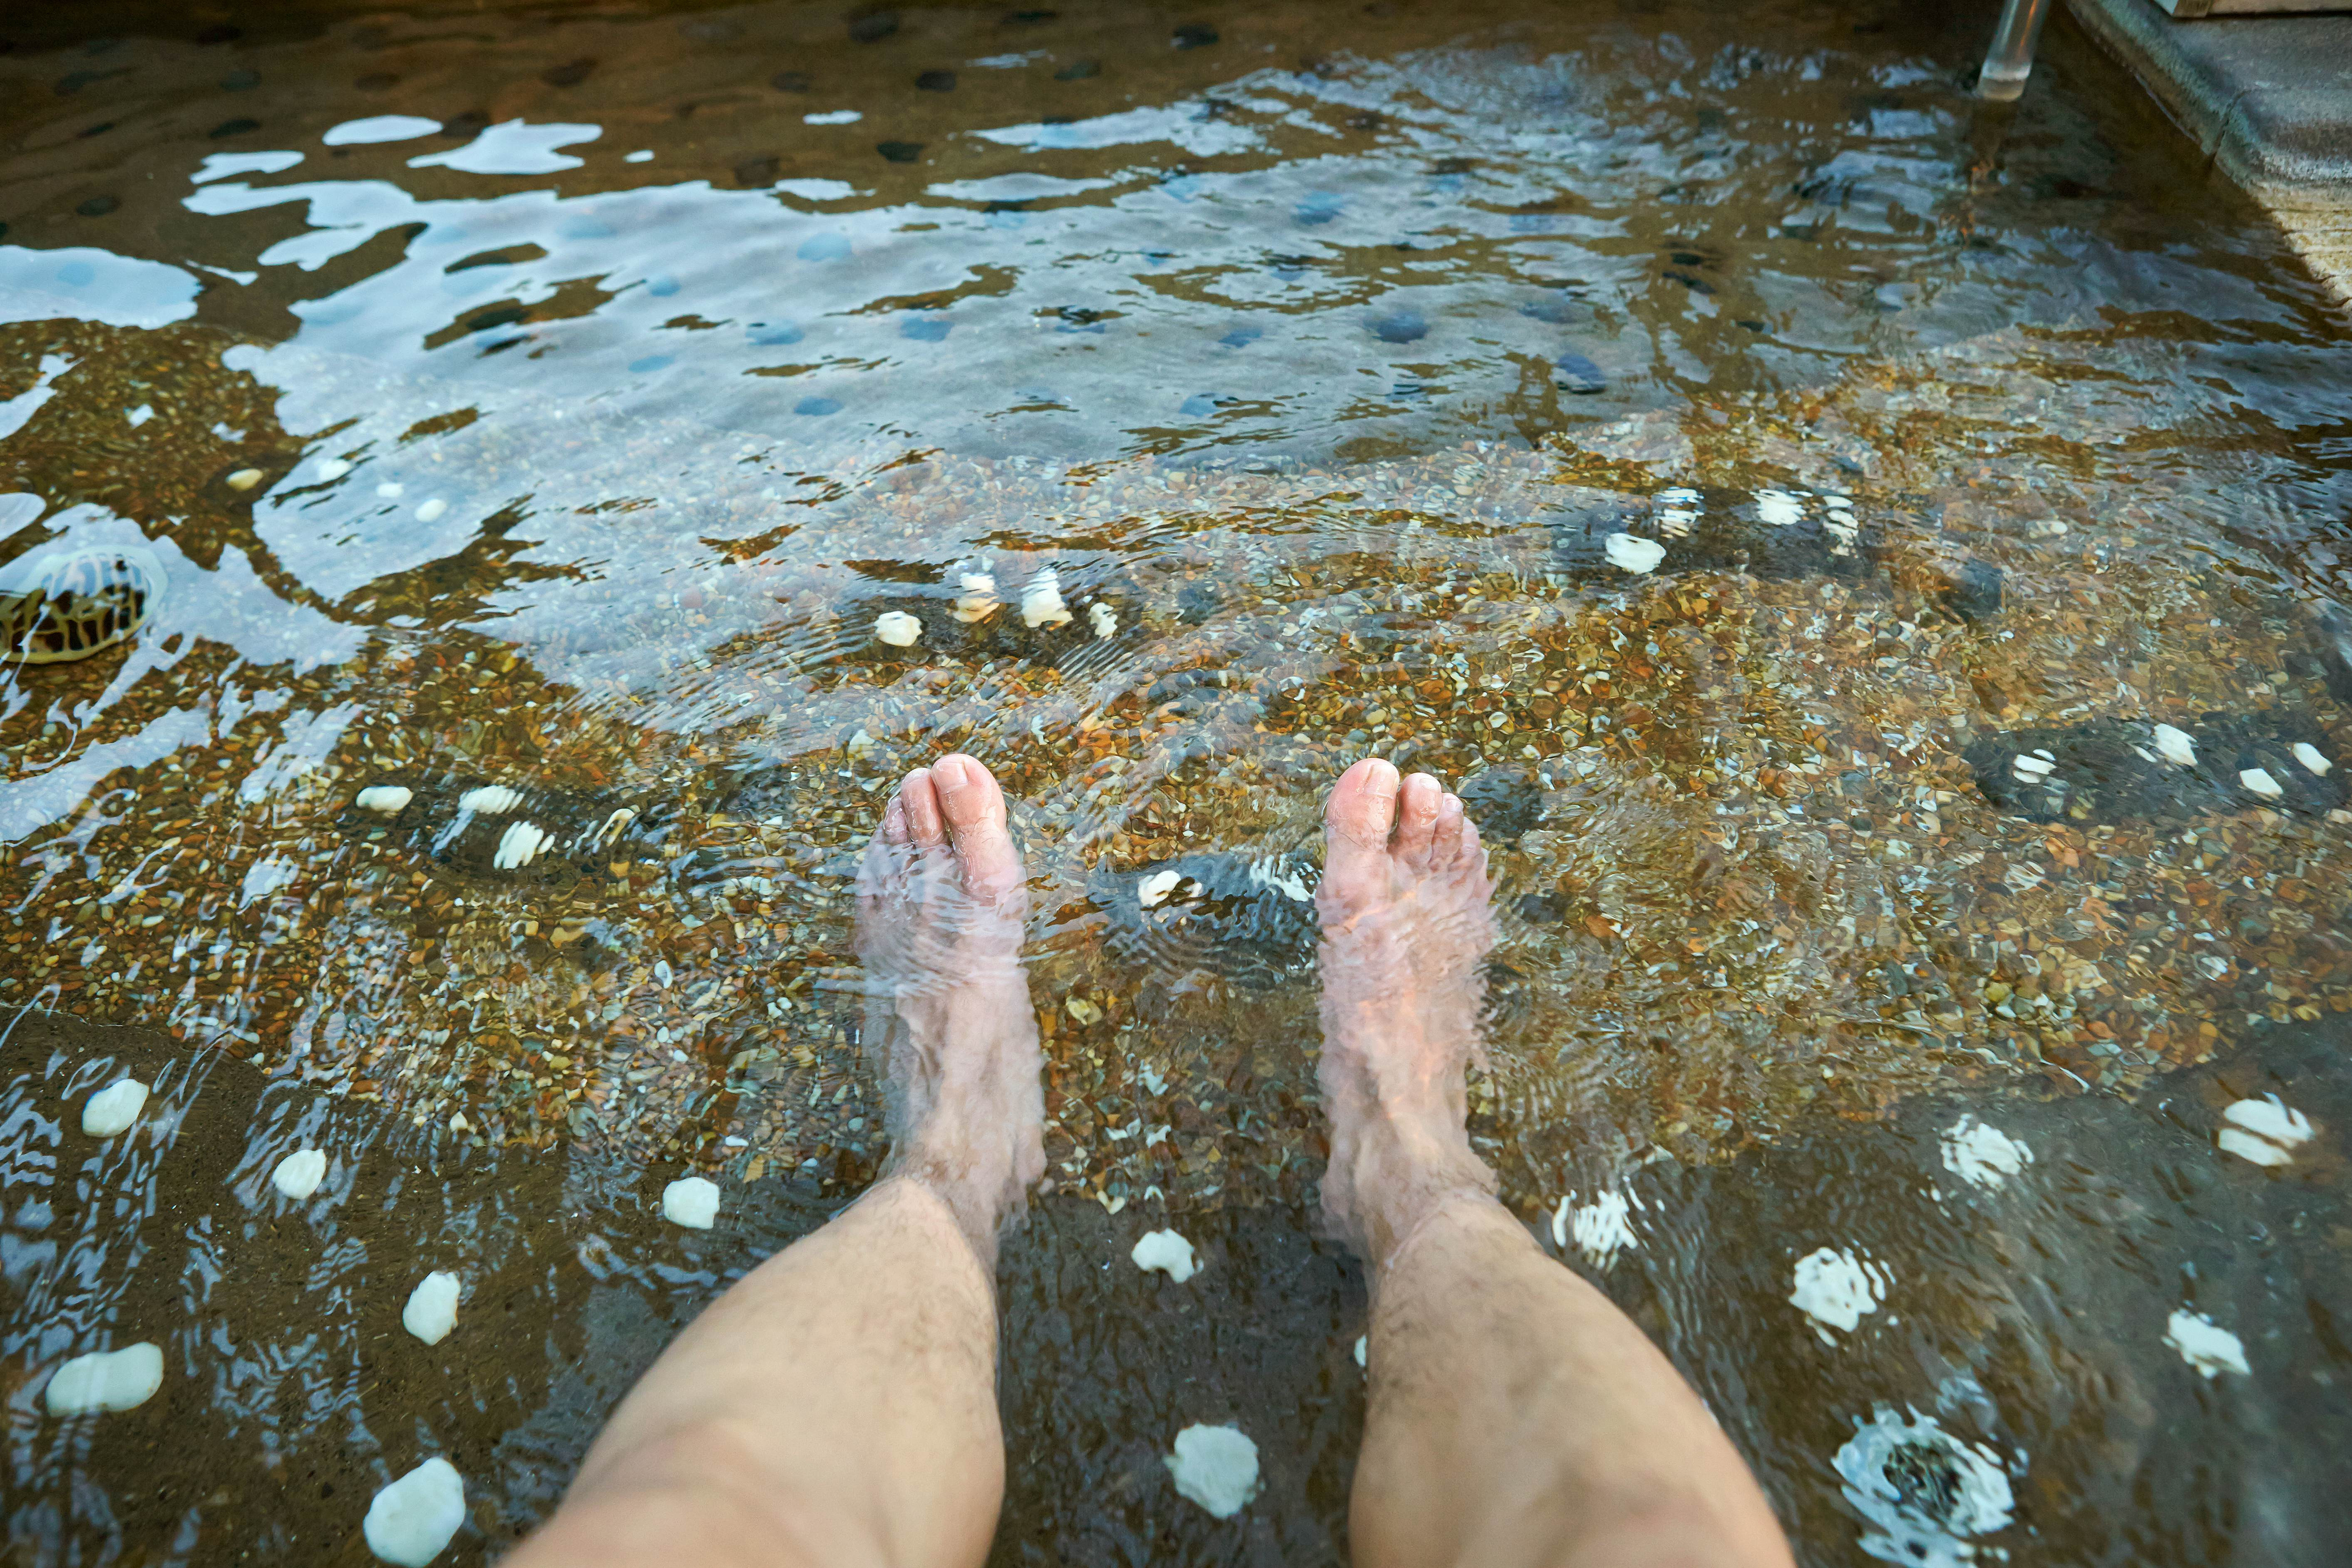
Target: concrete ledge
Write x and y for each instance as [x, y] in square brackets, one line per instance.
[2268, 98]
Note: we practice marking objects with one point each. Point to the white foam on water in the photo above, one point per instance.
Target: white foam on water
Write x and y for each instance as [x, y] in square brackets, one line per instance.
[2176, 745]
[1837, 1289]
[432, 1310]
[113, 1108]
[1600, 1229]
[1169, 1253]
[299, 1174]
[411, 1521]
[1632, 553]
[107, 1380]
[1973, 1497]
[1216, 1467]
[692, 1201]
[2205, 1345]
[386, 798]
[1982, 1155]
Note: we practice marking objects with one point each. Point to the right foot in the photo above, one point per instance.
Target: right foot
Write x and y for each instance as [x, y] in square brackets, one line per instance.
[940, 902]
[1405, 924]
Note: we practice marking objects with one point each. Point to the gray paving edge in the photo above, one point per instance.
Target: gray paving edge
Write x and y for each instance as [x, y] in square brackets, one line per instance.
[2268, 100]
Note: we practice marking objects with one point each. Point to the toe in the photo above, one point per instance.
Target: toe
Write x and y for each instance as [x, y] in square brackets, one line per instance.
[1359, 818]
[919, 798]
[1417, 806]
[973, 806]
[1445, 836]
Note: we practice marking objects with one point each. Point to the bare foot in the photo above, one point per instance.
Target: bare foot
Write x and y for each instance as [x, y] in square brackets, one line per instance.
[1405, 923]
[940, 900]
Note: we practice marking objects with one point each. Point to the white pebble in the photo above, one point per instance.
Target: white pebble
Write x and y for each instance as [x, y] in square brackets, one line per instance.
[1216, 1467]
[412, 1518]
[1103, 618]
[386, 798]
[2311, 759]
[299, 1174]
[490, 799]
[1847, 501]
[2259, 782]
[113, 1108]
[520, 841]
[1600, 1229]
[1982, 1155]
[1167, 1252]
[1837, 1290]
[331, 470]
[898, 628]
[432, 1310]
[245, 479]
[2032, 768]
[2176, 745]
[1632, 553]
[692, 1201]
[107, 1380]
[1363, 1349]
[2205, 1344]
[1156, 887]
[431, 511]
[1778, 508]
[2265, 1131]
[1041, 601]
[390, 490]
[979, 600]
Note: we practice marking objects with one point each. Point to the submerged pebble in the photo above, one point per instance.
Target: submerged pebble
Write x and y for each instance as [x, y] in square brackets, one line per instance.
[692, 1201]
[1041, 601]
[1216, 1467]
[898, 628]
[1837, 1290]
[1982, 1155]
[115, 1108]
[1103, 618]
[386, 798]
[489, 800]
[978, 601]
[2259, 780]
[1925, 1490]
[2175, 745]
[299, 1174]
[1167, 1252]
[1632, 553]
[432, 1310]
[432, 510]
[245, 479]
[332, 469]
[2205, 1345]
[519, 844]
[107, 1380]
[2265, 1131]
[2314, 762]
[1600, 1229]
[410, 1521]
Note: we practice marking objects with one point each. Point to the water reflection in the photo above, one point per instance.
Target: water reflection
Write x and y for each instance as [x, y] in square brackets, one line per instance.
[1749, 461]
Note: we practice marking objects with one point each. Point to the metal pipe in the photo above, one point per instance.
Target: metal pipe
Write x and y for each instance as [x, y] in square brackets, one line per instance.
[2009, 60]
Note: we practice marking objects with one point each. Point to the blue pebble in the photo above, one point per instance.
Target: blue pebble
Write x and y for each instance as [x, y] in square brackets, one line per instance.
[661, 285]
[823, 247]
[651, 363]
[817, 406]
[1580, 375]
[1399, 327]
[771, 334]
[925, 329]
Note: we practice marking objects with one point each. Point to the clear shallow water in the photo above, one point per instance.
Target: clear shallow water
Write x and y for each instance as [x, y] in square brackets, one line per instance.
[1322, 355]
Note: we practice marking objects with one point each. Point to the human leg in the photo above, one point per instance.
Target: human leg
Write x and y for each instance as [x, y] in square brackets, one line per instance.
[837, 1407]
[1517, 1417]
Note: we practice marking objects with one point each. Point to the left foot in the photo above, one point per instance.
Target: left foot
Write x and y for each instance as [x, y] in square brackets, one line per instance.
[940, 902]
